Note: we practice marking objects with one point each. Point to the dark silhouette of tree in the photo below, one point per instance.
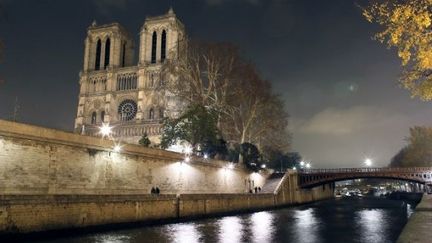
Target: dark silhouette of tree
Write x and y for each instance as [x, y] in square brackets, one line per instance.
[250, 155]
[197, 125]
[281, 161]
[144, 141]
[418, 152]
[217, 77]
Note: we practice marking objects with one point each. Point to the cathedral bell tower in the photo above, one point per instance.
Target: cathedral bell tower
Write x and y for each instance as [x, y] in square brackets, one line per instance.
[115, 90]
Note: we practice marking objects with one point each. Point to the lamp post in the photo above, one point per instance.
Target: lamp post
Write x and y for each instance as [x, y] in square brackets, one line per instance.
[105, 130]
[302, 164]
[368, 162]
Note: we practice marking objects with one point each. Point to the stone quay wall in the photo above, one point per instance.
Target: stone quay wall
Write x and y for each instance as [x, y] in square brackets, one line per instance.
[35, 213]
[53, 180]
[418, 228]
[35, 160]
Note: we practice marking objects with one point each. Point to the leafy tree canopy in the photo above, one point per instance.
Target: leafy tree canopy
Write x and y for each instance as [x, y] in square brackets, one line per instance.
[281, 161]
[418, 152]
[407, 27]
[197, 125]
[144, 141]
[250, 155]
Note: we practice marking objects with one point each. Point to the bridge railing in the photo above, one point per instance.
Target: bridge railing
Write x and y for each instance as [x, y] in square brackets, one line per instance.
[363, 170]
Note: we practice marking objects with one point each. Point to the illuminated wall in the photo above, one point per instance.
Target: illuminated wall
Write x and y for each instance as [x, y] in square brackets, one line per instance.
[35, 160]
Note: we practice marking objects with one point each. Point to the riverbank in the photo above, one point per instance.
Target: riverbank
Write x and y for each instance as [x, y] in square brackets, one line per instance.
[36, 213]
[418, 228]
[343, 220]
[54, 180]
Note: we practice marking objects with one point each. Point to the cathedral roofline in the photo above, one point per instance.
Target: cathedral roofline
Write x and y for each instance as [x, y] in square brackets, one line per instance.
[114, 25]
[169, 15]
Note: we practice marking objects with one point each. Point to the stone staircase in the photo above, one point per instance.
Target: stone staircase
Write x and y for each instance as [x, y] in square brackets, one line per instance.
[272, 182]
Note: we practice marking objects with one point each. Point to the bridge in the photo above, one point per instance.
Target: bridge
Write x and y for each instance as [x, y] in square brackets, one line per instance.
[315, 177]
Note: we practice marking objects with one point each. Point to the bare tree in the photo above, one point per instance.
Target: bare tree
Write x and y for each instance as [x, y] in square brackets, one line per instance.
[203, 74]
[214, 75]
[255, 114]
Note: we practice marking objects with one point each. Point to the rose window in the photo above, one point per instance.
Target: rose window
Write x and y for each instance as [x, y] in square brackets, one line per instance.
[127, 110]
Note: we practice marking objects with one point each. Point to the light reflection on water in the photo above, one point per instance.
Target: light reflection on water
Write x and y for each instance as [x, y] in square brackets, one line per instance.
[230, 229]
[262, 227]
[306, 225]
[329, 221]
[184, 232]
[410, 210]
[371, 223]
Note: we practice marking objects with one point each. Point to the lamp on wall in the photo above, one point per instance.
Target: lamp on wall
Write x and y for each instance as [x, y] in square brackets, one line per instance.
[105, 130]
[117, 148]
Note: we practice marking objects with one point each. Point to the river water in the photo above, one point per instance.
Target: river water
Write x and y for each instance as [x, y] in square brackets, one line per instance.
[338, 220]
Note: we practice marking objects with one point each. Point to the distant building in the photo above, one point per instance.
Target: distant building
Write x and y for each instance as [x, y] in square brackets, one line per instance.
[116, 90]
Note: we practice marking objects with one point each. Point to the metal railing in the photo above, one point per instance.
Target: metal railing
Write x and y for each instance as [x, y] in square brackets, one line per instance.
[311, 177]
[356, 170]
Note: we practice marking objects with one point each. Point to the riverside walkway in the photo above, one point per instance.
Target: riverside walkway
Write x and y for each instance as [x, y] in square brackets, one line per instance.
[418, 228]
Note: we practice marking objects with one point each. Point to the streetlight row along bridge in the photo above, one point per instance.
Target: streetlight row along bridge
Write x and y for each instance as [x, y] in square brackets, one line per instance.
[315, 177]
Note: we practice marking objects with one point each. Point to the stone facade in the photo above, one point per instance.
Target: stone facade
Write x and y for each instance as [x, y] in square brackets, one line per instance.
[115, 90]
[35, 160]
[52, 179]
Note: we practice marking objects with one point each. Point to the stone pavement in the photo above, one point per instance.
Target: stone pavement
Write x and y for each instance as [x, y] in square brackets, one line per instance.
[419, 227]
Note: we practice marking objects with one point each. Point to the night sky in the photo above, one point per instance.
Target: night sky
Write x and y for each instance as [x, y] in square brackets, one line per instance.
[339, 85]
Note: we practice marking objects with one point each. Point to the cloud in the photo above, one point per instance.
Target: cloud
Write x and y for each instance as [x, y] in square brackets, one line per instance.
[337, 122]
[335, 137]
[106, 6]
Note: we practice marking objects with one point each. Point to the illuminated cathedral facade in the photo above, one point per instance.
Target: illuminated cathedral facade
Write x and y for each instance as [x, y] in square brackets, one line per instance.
[117, 90]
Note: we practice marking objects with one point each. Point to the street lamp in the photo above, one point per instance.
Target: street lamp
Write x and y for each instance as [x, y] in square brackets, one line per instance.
[308, 165]
[368, 162]
[302, 163]
[188, 150]
[117, 148]
[105, 130]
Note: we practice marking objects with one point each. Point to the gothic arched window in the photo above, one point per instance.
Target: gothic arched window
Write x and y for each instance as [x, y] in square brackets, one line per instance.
[163, 46]
[151, 114]
[93, 118]
[98, 54]
[161, 113]
[107, 52]
[103, 116]
[124, 54]
[153, 50]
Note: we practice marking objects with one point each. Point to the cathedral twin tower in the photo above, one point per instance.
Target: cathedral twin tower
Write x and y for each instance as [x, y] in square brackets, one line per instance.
[115, 90]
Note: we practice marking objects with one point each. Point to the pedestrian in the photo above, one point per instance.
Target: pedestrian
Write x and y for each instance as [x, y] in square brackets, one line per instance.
[157, 190]
[153, 190]
[256, 190]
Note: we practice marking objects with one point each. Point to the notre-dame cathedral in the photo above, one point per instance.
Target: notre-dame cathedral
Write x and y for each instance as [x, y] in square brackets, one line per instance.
[116, 90]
